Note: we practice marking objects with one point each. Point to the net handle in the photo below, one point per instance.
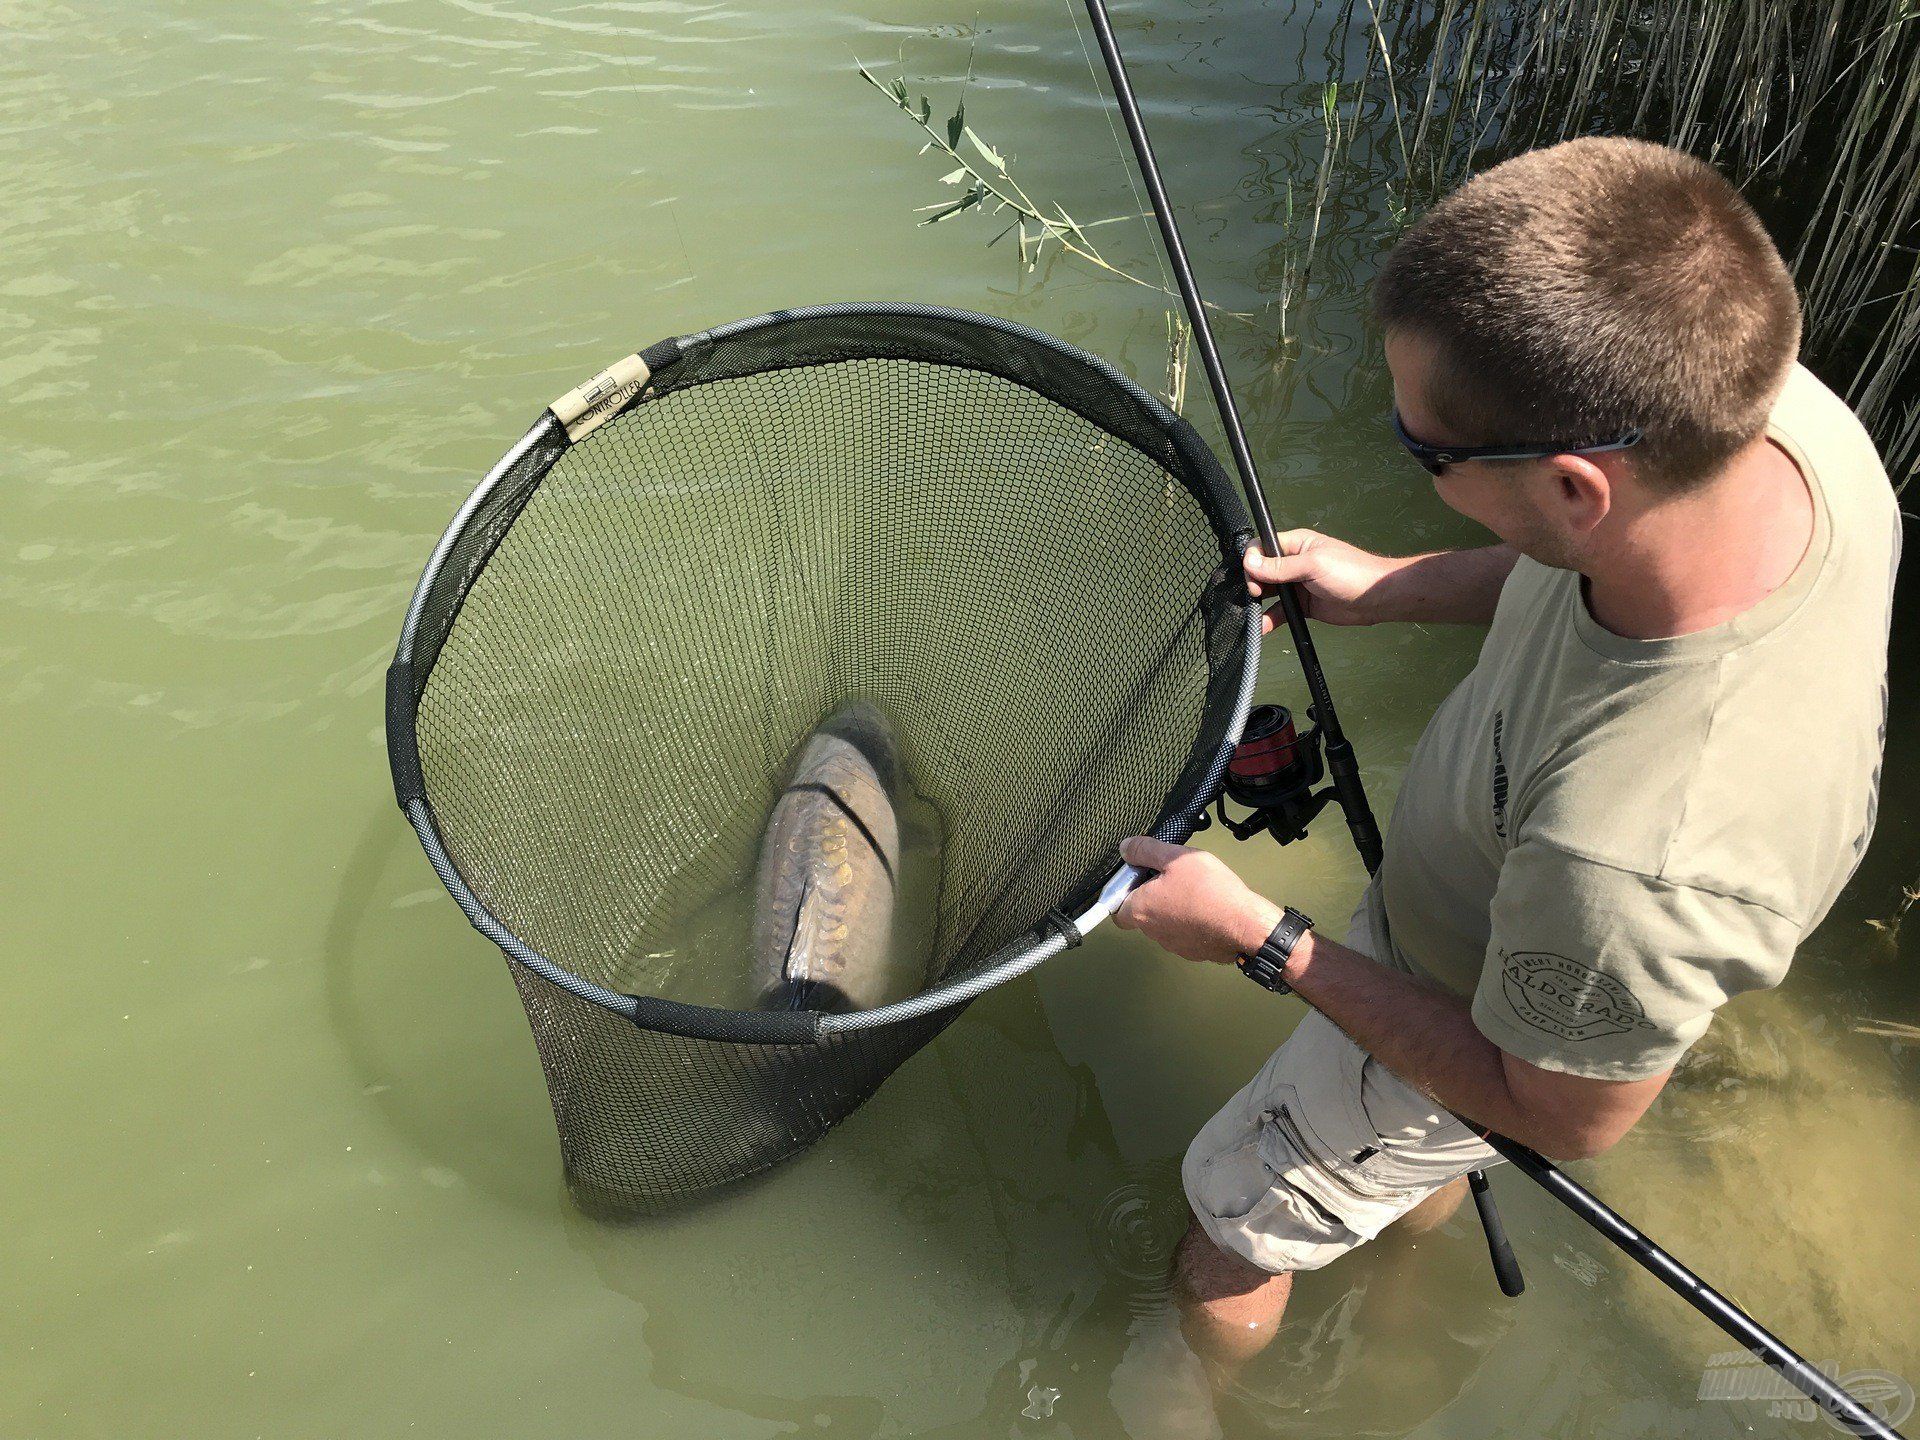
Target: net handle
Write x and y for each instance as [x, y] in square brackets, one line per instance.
[1343, 766]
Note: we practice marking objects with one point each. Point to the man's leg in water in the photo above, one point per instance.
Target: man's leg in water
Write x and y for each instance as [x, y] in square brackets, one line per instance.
[1435, 1210]
[1230, 1309]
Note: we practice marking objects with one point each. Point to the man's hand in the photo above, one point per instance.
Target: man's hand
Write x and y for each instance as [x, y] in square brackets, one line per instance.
[1334, 577]
[1342, 584]
[1196, 907]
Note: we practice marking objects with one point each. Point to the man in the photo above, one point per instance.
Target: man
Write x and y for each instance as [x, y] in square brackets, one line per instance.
[1655, 780]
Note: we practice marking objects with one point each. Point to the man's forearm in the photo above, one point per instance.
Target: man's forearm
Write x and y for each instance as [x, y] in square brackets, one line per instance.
[1447, 587]
[1423, 1034]
[1198, 908]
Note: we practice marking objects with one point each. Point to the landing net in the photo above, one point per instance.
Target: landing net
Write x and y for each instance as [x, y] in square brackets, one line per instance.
[1022, 560]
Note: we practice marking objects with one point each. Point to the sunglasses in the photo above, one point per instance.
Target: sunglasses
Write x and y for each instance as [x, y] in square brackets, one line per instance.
[1434, 459]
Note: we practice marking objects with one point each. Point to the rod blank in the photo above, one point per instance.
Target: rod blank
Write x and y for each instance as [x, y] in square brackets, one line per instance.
[1342, 764]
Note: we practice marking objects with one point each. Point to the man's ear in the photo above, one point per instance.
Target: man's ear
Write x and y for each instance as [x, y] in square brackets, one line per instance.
[1582, 493]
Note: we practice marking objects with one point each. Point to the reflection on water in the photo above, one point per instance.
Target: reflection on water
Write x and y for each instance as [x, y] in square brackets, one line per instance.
[280, 282]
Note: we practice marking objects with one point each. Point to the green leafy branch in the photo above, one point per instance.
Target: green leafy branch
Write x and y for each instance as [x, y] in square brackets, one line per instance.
[990, 186]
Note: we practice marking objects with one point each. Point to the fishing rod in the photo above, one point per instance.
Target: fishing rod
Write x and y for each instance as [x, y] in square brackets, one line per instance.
[1343, 765]
[1344, 769]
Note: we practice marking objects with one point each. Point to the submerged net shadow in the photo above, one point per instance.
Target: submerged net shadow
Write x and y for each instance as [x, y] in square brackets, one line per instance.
[1018, 556]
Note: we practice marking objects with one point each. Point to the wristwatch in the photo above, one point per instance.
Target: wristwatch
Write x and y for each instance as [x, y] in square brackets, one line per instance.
[1268, 965]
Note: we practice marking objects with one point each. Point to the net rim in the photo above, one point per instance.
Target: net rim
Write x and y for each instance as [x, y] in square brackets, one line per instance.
[406, 682]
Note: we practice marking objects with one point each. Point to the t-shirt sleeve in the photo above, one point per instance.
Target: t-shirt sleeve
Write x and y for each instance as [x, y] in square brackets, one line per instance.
[1603, 972]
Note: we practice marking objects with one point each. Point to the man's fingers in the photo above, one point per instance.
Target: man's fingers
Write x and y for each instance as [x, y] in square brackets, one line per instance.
[1277, 569]
[1291, 542]
[1149, 853]
[1266, 571]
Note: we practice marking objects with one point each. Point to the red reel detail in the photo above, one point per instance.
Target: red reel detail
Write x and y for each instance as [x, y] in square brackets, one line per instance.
[1269, 749]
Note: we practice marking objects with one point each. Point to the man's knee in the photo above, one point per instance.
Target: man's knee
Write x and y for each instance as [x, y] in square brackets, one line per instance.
[1204, 1272]
[1229, 1307]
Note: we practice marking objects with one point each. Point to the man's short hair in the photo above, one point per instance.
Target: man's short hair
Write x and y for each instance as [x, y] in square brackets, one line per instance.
[1594, 287]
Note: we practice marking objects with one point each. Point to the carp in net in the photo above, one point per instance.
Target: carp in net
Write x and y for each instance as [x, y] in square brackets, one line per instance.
[793, 682]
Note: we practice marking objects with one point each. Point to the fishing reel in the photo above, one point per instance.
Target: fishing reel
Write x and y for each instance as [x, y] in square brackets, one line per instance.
[1272, 773]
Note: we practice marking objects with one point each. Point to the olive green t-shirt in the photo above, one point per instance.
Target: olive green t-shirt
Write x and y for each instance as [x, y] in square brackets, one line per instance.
[1601, 840]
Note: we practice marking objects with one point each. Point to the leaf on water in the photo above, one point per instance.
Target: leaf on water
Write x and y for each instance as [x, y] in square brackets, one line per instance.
[954, 177]
[895, 91]
[1039, 244]
[992, 156]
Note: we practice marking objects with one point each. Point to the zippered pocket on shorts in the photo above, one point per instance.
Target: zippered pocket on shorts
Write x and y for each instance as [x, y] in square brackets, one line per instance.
[1427, 1157]
[1360, 1173]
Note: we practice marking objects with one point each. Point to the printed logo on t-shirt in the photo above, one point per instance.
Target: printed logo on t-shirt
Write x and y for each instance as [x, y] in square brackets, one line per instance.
[1567, 999]
[1499, 777]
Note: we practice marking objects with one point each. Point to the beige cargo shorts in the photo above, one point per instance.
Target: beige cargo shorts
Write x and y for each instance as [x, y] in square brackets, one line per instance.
[1319, 1153]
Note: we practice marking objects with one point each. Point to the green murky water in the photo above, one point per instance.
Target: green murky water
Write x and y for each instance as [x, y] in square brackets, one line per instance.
[279, 282]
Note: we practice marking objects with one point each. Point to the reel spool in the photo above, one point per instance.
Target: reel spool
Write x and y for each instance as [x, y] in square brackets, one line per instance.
[1272, 772]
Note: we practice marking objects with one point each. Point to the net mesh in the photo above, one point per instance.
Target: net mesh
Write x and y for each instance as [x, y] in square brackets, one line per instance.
[1023, 561]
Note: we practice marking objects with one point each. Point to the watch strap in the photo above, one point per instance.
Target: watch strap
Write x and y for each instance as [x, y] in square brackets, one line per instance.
[1267, 966]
